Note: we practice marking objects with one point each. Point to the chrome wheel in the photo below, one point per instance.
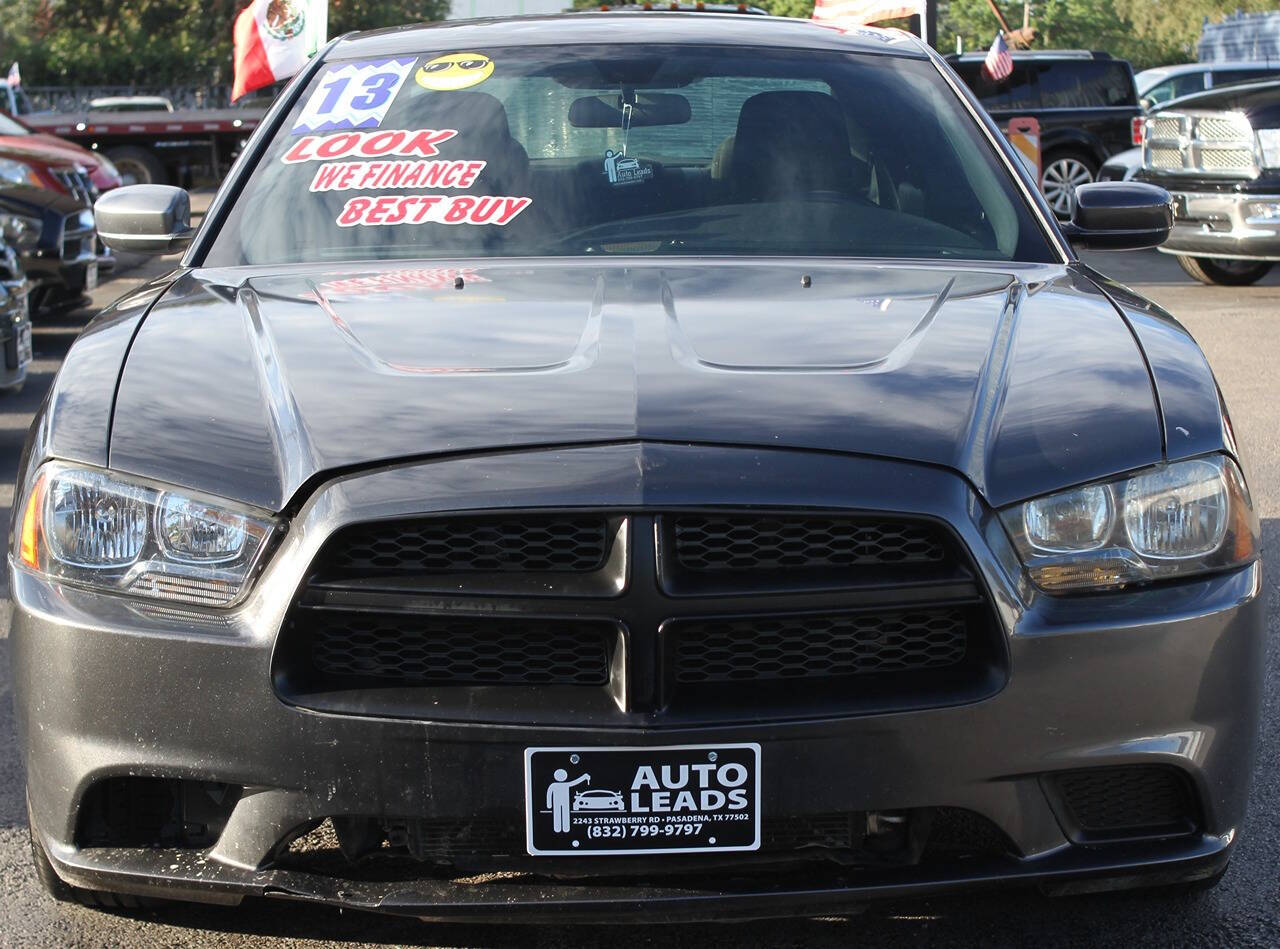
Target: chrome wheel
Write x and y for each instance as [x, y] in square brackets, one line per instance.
[1059, 182]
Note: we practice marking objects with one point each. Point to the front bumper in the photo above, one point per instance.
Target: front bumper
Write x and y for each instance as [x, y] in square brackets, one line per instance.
[1226, 225]
[106, 687]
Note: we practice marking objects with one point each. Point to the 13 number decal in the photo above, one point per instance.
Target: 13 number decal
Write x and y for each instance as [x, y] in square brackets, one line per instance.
[353, 96]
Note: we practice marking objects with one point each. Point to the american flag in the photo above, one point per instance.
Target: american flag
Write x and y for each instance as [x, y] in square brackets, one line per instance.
[862, 12]
[15, 77]
[998, 63]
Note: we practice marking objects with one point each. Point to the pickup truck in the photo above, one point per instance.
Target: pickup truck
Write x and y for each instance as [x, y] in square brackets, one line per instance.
[157, 147]
[1218, 155]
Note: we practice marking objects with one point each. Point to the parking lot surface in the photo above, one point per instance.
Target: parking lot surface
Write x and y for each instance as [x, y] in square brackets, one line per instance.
[1239, 328]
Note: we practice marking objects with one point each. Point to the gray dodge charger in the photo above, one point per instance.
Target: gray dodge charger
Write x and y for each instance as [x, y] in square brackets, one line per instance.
[655, 465]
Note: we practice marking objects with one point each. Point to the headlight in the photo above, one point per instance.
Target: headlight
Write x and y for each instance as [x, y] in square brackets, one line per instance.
[17, 173]
[1269, 147]
[1170, 521]
[106, 531]
[20, 231]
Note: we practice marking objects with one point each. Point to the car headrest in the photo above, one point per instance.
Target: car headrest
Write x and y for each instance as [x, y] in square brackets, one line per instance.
[483, 133]
[473, 114]
[791, 142]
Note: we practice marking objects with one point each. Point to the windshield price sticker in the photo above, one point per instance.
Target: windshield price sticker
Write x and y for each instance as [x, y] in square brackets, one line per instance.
[354, 96]
[431, 209]
[675, 799]
[406, 143]
[377, 175]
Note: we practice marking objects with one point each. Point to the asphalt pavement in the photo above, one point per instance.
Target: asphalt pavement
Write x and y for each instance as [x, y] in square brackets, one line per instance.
[1240, 331]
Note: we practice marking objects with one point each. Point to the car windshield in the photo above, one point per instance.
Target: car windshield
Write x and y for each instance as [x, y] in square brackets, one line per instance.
[9, 127]
[636, 150]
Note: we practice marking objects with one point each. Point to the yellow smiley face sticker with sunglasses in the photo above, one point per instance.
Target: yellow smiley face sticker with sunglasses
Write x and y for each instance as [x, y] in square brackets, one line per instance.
[455, 71]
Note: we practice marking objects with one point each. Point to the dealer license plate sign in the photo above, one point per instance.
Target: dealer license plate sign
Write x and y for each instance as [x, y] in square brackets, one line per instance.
[611, 801]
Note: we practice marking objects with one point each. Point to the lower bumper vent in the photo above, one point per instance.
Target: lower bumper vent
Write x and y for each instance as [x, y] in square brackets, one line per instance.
[154, 812]
[1131, 801]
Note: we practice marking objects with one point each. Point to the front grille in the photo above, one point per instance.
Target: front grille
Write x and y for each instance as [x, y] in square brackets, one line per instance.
[1136, 800]
[1165, 158]
[458, 650]
[817, 646]
[77, 183]
[526, 544]
[640, 618]
[706, 543]
[1194, 142]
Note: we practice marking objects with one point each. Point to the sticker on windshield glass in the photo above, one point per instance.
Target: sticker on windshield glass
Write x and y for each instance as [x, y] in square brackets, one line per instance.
[455, 71]
[354, 96]
[622, 170]
[416, 143]
[390, 209]
[674, 799]
[379, 175]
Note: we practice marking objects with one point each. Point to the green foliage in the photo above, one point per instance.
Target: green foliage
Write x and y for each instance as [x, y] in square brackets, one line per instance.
[1146, 32]
[155, 42]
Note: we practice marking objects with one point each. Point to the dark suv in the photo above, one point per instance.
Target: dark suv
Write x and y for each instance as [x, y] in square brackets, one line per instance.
[1086, 103]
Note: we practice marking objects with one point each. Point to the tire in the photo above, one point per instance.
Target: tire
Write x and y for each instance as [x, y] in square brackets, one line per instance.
[64, 892]
[1224, 272]
[1062, 173]
[137, 166]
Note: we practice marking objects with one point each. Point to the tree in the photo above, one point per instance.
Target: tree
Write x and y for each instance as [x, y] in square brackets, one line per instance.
[156, 42]
[1145, 32]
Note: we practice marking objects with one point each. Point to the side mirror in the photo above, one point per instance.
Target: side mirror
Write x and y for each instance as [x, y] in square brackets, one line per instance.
[1120, 215]
[145, 219]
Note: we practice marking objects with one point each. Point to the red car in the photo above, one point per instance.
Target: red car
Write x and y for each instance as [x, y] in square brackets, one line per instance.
[45, 161]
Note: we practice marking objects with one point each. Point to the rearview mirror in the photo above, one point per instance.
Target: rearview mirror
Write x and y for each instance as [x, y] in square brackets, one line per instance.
[145, 219]
[1119, 215]
[649, 109]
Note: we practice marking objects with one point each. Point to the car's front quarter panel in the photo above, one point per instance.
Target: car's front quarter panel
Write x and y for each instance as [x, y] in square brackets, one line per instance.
[1193, 415]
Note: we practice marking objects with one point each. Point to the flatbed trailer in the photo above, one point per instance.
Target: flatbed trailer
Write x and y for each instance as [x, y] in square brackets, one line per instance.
[157, 147]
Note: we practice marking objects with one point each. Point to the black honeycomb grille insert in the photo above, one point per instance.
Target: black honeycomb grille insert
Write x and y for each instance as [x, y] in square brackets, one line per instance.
[718, 542]
[524, 544]
[1138, 797]
[817, 646]
[423, 649]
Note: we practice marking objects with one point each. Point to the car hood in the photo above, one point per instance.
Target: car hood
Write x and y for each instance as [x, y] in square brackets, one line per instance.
[1024, 378]
[51, 150]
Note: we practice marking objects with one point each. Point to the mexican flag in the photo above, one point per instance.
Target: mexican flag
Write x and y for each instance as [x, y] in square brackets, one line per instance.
[274, 39]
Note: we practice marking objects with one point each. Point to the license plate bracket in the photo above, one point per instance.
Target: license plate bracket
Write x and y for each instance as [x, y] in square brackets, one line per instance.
[642, 800]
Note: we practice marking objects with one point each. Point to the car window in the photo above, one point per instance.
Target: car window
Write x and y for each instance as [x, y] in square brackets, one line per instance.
[9, 127]
[1015, 92]
[1175, 86]
[628, 150]
[1224, 77]
[1085, 84]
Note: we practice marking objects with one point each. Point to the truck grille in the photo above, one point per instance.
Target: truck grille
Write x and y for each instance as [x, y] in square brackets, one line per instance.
[639, 618]
[1202, 143]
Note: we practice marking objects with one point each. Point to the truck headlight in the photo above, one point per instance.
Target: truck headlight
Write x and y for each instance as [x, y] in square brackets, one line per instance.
[114, 533]
[13, 172]
[1269, 147]
[1174, 520]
